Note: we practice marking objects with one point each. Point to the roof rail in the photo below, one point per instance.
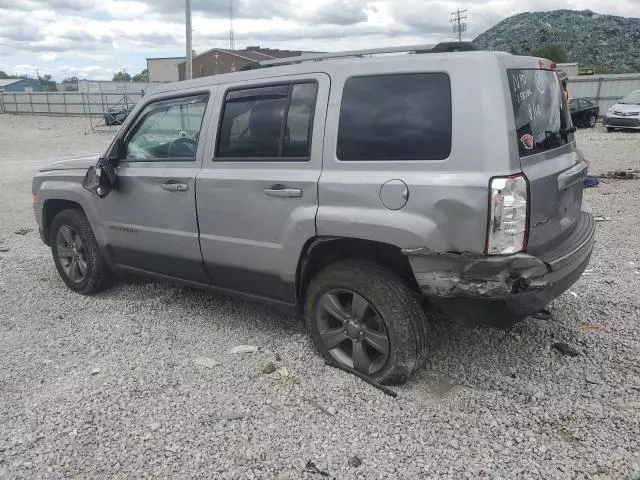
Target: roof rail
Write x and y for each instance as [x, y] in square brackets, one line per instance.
[409, 49]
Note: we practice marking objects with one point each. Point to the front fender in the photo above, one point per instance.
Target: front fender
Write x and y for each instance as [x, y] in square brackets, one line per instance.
[67, 185]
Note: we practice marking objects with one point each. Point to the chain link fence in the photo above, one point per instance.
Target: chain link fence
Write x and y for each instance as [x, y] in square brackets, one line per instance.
[604, 90]
[65, 103]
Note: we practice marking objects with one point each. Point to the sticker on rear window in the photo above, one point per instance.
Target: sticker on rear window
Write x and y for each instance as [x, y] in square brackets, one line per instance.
[527, 141]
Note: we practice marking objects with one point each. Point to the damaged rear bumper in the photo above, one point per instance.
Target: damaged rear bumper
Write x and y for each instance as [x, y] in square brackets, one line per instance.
[502, 290]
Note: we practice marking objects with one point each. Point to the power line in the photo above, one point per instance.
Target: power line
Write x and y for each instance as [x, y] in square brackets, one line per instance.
[458, 25]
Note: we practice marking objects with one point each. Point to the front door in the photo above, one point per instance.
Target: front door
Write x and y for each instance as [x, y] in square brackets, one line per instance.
[257, 192]
[150, 218]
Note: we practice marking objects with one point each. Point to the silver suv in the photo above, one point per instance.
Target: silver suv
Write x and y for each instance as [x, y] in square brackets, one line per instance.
[346, 187]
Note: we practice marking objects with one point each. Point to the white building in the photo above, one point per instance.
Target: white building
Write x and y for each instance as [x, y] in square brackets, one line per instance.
[164, 69]
[571, 69]
[107, 86]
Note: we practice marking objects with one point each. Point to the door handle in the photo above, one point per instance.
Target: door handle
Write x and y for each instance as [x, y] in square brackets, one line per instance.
[175, 187]
[283, 191]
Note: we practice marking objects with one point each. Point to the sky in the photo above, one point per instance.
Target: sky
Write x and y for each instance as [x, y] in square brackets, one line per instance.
[96, 38]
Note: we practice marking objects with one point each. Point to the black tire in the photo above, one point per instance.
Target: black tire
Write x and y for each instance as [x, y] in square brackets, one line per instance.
[391, 302]
[593, 119]
[610, 129]
[96, 274]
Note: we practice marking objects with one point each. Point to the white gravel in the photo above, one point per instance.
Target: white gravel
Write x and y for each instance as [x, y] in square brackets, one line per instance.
[138, 381]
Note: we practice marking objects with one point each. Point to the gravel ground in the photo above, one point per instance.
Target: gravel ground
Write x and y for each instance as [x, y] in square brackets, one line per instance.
[137, 382]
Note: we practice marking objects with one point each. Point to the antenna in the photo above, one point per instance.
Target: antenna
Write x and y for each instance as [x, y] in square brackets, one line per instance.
[458, 25]
[232, 40]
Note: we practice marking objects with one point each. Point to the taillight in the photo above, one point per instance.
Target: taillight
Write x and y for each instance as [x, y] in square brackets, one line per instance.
[508, 225]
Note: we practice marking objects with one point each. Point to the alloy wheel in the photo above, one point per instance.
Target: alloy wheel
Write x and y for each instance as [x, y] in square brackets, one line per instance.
[352, 331]
[71, 253]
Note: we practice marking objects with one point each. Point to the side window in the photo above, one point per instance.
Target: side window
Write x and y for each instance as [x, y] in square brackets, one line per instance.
[168, 131]
[272, 123]
[395, 117]
[297, 133]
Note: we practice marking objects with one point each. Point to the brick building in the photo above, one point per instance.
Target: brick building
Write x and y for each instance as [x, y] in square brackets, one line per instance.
[221, 60]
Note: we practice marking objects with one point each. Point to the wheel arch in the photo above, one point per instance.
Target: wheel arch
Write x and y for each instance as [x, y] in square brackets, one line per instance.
[320, 252]
[50, 209]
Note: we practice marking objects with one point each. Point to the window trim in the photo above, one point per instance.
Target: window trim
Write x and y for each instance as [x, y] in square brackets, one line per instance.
[385, 74]
[145, 111]
[279, 159]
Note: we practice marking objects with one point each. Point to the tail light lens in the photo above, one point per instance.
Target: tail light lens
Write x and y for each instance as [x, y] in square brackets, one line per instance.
[508, 223]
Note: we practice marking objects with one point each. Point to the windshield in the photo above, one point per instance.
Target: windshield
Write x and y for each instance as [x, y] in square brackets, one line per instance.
[632, 99]
[540, 111]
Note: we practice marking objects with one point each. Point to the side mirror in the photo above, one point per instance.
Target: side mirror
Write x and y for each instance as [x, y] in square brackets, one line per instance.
[101, 178]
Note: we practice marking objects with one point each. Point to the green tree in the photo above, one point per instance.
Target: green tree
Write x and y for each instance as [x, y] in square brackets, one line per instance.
[70, 84]
[555, 53]
[143, 76]
[122, 76]
[48, 83]
[5, 75]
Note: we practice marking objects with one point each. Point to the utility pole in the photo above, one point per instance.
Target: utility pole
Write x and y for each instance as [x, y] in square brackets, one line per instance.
[188, 73]
[459, 26]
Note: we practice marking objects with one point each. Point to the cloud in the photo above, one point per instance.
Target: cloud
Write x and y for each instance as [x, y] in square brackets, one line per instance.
[339, 12]
[29, 5]
[65, 36]
[48, 57]
[20, 34]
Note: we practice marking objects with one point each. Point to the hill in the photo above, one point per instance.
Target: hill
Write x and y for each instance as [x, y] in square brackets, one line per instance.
[589, 38]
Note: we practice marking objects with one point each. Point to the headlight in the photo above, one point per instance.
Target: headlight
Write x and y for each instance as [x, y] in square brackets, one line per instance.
[508, 225]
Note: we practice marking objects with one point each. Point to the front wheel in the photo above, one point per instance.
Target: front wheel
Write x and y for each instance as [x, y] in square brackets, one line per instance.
[363, 316]
[610, 129]
[76, 253]
[592, 120]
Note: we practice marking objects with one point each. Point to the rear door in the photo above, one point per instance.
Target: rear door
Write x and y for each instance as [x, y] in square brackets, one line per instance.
[257, 191]
[553, 165]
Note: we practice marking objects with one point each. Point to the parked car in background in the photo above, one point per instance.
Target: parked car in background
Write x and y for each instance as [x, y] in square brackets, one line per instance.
[117, 114]
[584, 112]
[625, 113]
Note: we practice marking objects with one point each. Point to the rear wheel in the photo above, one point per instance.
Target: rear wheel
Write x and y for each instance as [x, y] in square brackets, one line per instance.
[592, 120]
[363, 316]
[76, 253]
[610, 129]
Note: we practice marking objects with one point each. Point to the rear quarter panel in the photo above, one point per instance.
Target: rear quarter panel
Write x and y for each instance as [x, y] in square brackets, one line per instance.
[448, 199]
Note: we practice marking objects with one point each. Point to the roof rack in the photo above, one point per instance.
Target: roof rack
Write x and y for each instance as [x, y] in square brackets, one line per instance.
[409, 49]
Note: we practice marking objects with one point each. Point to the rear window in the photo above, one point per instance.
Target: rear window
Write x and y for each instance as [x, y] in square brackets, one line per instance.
[395, 117]
[539, 109]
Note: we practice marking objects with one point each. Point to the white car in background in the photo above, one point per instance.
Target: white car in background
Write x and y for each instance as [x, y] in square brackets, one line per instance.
[625, 113]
